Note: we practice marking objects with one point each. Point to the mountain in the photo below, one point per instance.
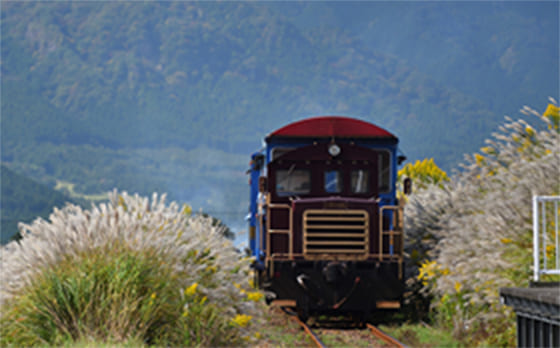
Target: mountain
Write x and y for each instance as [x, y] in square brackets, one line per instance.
[23, 200]
[174, 96]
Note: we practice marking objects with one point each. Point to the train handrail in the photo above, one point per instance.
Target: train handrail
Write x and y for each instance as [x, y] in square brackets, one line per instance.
[270, 231]
[395, 230]
[540, 236]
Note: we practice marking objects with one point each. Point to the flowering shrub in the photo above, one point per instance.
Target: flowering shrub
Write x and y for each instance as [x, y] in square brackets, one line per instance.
[241, 320]
[131, 269]
[472, 235]
[423, 173]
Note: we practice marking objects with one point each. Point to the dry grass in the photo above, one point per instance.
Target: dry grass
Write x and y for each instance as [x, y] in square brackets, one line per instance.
[131, 270]
[472, 235]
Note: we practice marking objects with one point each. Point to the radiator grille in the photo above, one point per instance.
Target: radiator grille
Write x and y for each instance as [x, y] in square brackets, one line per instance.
[333, 231]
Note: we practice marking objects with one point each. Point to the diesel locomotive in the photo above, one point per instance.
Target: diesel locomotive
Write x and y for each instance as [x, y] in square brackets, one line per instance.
[325, 224]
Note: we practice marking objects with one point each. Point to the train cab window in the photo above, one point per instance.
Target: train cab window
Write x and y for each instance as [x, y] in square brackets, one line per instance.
[279, 151]
[384, 163]
[293, 182]
[333, 181]
[359, 180]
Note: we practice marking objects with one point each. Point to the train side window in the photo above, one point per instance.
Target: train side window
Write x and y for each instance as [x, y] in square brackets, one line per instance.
[333, 181]
[384, 163]
[293, 182]
[359, 180]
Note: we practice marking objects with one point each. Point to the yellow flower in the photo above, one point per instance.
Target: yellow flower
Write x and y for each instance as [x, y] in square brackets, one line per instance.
[191, 290]
[423, 172]
[254, 296]
[241, 320]
[203, 300]
[458, 287]
[153, 296]
[506, 240]
[252, 281]
[550, 249]
[258, 335]
[479, 158]
[428, 269]
[187, 209]
[552, 111]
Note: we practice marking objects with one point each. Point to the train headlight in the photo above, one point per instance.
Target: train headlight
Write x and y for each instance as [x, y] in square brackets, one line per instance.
[334, 150]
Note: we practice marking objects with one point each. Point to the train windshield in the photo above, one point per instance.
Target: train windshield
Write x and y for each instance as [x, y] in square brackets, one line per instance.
[293, 182]
[333, 181]
[360, 181]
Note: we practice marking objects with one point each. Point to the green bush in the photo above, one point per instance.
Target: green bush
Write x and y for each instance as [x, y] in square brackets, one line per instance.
[112, 295]
[131, 272]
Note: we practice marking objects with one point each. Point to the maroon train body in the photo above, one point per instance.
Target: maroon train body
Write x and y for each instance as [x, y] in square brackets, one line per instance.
[325, 223]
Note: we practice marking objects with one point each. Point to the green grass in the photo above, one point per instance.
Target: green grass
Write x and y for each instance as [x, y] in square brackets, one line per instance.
[420, 335]
[100, 344]
[281, 331]
[112, 296]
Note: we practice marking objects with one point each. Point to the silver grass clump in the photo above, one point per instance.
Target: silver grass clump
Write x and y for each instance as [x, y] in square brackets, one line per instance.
[140, 224]
[466, 225]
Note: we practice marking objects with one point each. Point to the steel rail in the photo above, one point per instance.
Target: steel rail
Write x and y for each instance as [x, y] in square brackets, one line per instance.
[385, 337]
[306, 328]
[376, 332]
[310, 332]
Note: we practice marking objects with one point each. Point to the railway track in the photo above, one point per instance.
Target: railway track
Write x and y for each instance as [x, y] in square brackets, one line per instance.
[385, 337]
[315, 337]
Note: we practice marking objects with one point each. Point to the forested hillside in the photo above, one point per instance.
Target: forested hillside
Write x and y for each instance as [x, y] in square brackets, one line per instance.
[23, 200]
[174, 96]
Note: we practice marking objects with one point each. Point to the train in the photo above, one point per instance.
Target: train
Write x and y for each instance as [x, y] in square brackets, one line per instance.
[325, 222]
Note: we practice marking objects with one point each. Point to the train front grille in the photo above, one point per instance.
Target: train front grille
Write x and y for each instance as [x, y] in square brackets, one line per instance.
[335, 232]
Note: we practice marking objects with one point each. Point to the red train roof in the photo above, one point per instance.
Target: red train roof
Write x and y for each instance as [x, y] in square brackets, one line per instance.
[330, 126]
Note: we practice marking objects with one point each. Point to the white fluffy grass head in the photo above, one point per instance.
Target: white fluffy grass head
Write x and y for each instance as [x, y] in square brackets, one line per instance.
[476, 227]
[137, 223]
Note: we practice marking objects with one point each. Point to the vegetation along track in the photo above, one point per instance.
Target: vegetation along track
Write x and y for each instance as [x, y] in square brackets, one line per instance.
[379, 338]
[385, 337]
